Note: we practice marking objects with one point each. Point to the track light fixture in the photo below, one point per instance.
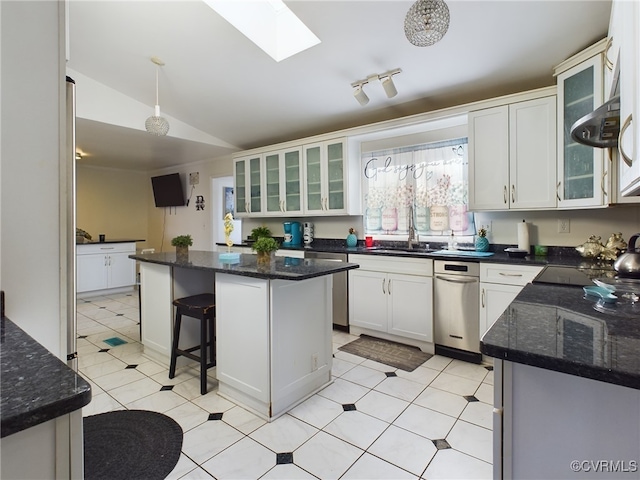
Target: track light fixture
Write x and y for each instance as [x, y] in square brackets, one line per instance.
[384, 78]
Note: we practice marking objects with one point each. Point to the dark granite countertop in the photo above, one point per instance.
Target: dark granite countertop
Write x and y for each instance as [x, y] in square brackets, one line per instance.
[283, 268]
[36, 385]
[112, 240]
[554, 327]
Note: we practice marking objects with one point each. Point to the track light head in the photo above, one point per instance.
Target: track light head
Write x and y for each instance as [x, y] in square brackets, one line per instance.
[360, 96]
[389, 87]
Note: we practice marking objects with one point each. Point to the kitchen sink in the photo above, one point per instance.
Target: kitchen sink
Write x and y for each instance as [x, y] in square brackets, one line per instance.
[400, 250]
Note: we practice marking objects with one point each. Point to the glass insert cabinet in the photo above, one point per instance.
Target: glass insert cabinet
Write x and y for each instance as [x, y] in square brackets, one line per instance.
[324, 168]
[248, 185]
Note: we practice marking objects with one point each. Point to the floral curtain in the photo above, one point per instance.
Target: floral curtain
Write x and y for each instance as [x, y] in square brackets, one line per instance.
[432, 178]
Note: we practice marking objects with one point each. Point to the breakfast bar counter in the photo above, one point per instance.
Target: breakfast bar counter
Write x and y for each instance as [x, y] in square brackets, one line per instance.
[273, 322]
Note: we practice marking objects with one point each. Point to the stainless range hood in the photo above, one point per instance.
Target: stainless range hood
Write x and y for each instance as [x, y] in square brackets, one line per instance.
[599, 128]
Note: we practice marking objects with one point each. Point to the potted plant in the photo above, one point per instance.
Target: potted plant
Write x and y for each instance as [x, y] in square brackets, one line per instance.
[182, 244]
[263, 247]
[258, 232]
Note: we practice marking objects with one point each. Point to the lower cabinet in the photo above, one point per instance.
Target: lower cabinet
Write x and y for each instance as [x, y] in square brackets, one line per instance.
[499, 286]
[392, 296]
[105, 266]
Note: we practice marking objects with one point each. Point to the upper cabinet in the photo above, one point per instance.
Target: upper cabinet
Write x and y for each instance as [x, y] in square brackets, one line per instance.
[283, 182]
[625, 25]
[512, 156]
[325, 177]
[582, 176]
[248, 189]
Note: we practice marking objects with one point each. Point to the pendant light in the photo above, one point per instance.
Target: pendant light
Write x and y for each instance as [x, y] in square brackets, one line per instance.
[426, 22]
[155, 124]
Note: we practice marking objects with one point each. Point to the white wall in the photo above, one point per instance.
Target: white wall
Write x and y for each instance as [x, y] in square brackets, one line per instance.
[32, 83]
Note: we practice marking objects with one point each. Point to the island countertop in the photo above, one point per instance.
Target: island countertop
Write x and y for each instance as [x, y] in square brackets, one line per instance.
[36, 385]
[555, 328]
[282, 268]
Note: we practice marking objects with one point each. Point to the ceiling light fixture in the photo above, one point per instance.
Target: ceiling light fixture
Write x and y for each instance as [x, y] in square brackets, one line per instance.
[155, 124]
[426, 22]
[384, 78]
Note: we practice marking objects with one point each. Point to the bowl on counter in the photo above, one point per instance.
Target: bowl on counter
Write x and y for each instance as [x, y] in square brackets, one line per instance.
[516, 252]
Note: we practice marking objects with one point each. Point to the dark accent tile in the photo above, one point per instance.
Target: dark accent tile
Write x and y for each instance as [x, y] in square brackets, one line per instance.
[215, 416]
[470, 398]
[283, 458]
[441, 444]
[102, 307]
[82, 336]
[489, 367]
[119, 314]
[390, 374]
[130, 367]
[348, 407]
[103, 350]
[166, 387]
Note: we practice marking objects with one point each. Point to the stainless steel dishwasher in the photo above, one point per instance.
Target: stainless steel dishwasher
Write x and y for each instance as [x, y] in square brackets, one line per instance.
[340, 285]
[456, 288]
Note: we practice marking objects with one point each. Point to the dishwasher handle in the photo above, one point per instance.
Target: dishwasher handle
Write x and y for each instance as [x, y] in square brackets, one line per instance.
[460, 279]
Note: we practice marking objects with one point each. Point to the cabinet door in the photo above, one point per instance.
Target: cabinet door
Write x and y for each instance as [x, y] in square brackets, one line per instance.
[313, 199]
[368, 297]
[92, 272]
[532, 154]
[291, 180]
[494, 300]
[489, 159]
[272, 187]
[335, 177]
[580, 167]
[255, 185]
[411, 306]
[122, 270]
[240, 188]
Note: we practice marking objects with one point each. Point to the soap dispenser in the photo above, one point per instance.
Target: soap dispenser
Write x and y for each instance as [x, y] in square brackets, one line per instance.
[453, 243]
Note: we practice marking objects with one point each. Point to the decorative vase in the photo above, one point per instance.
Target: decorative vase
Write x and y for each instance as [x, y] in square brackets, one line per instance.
[182, 253]
[352, 240]
[264, 258]
[482, 244]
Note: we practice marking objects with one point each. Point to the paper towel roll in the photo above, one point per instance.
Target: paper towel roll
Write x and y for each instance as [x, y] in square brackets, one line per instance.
[523, 236]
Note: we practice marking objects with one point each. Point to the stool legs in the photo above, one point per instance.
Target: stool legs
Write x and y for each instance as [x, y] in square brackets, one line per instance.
[203, 356]
[174, 346]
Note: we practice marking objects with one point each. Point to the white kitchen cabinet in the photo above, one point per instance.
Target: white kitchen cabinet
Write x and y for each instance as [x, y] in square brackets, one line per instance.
[582, 176]
[512, 156]
[392, 298]
[105, 266]
[283, 182]
[499, 286]
[248, 181]
[325, 173]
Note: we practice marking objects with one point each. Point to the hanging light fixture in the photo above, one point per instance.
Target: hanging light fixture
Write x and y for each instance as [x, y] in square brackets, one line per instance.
[426, 22]
[155, 124]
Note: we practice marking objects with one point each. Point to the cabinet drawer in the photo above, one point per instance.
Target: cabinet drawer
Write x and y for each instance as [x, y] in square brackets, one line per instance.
[508, 274]
[409, 266]
[93, 248]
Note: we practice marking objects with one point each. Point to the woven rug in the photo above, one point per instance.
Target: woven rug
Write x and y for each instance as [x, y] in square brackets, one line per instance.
[128, 444]
[398, 355]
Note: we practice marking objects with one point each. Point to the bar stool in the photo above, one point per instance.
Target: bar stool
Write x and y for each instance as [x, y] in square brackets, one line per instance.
[202, 307]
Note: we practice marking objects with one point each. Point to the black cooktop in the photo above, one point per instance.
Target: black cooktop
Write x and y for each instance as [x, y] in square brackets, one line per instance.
[564, 275]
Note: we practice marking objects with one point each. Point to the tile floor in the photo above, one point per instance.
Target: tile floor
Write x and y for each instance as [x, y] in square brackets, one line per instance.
[373, 422]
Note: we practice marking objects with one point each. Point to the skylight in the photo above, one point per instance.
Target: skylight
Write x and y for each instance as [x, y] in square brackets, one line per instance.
[270, 24]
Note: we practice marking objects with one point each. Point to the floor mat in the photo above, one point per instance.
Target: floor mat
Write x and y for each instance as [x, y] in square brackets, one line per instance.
[398, 355]
[127, 444]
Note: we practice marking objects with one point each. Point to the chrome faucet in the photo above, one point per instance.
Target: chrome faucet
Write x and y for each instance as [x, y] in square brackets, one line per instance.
[413, 236]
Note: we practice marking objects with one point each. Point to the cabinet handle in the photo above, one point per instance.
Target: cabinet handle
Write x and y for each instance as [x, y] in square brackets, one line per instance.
[604, 191]
[504, 194]
[283, 208]
[383, 290]
[105, 260]
[106, 248]
[608, 63]
[510, 274]
[513, 194]
[483, 298]
[389, 287]
[558, 191]
[326, 203]
[628, 160]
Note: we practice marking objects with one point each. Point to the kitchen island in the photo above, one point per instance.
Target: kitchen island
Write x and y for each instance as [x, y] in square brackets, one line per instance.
[566, 387]
[273, 322]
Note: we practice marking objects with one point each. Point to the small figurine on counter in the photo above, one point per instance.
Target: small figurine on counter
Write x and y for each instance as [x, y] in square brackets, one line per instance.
[592, 248]
[614, 247]
[228, 228]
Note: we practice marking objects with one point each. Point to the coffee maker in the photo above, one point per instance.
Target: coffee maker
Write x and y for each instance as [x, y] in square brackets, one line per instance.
[292, 234]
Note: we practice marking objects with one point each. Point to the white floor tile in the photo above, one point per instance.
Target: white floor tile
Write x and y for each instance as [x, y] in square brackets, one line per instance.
[326, 456]
[478, 413]
[118, 378]
[340, 367]
[348, 357]
[213, 403]
[472, 440]
[427, 423]
[421, 375]
[485, 393]
[317, 411]
[101, 403]
[437, 362]
[184, 466]
[455, 384]
[284, 434]
[466, 370]
[342, 391]
[232, 463]
[364, 376]
[148, 367]
[188, 415]
[135, 390]
[378, 366]
[368, 467]
[243, 420]
[404, 449]
[206, 440]
[441, 401]
[191, 388]
[287, 471]
[101, 369]
[401, 388]
[489, 378]
[382, 406]
[87, 359]
[357, 428]
[157, 402]
[450, 464]
[197, 474]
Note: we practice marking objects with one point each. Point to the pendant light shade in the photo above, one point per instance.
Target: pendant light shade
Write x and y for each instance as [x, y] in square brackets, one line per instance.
[155, 124]
[426, 22]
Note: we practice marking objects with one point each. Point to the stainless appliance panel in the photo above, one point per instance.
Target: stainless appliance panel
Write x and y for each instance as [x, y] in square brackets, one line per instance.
[340, 287]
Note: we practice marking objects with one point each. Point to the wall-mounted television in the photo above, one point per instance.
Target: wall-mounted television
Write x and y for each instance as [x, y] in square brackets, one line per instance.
[167, 190]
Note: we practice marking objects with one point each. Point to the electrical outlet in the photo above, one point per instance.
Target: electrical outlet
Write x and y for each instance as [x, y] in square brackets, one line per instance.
[564, 225]
[314, 362]
[194, 178]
